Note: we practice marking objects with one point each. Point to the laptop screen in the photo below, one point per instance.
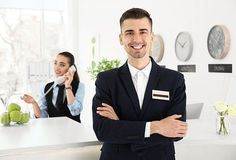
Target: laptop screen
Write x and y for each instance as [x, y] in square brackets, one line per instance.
[194, 110]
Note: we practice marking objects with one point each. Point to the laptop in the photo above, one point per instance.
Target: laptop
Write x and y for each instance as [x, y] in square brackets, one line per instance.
[194, 110]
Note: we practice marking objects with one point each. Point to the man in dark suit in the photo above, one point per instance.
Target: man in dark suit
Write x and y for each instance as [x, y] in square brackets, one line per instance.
[139, 109]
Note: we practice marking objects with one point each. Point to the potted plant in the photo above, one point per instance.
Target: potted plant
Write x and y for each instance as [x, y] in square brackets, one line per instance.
[103, 65]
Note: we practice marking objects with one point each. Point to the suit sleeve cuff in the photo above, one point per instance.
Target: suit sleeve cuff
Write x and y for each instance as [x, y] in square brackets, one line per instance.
[147, 129]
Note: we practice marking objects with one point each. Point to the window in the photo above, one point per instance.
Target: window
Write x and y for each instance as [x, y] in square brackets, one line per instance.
[28, 32]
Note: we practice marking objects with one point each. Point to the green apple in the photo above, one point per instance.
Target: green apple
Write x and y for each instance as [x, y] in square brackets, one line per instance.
[5, 119]
[25, 117]
[15, 116]
[13, 107]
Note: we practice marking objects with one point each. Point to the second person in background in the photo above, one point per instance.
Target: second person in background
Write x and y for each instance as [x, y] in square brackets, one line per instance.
[65, 98]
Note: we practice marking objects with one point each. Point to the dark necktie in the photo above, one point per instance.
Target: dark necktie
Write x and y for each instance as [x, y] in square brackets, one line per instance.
[60, 96]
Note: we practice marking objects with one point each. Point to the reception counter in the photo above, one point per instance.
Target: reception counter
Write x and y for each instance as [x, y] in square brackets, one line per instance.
[203, 143]
[62, 138]
[45, 134]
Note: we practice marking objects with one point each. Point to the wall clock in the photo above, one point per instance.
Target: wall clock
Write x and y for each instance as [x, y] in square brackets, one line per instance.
[218, 41]
[157, 49]
[183, 46]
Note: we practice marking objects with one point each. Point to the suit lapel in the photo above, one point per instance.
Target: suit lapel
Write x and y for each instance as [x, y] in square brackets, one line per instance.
[126, 80]
[153, 80]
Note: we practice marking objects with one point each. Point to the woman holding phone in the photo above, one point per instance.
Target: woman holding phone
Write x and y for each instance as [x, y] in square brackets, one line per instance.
[62, 97]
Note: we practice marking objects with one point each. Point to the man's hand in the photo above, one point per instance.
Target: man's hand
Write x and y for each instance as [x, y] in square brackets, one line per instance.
[169, 127]
[107, 111]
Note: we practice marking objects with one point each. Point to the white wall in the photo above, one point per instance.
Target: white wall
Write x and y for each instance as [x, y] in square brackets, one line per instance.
[101, 19]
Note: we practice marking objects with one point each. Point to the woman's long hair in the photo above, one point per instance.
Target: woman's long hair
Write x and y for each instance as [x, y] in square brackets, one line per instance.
[71, 62]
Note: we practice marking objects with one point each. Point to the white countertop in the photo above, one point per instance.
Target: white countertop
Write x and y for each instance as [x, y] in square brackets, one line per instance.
[203, 143]
[62, 138]
[204, 131]
[45, 133]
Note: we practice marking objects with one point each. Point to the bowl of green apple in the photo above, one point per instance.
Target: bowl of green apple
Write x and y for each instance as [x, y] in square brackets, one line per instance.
[14, 115]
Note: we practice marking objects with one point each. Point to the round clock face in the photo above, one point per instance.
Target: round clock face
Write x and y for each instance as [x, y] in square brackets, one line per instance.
[218, 41]
[157, 49]
[183, 46]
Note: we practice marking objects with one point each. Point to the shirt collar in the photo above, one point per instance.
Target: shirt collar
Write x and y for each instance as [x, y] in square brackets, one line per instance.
[146, 70]
[54, 85]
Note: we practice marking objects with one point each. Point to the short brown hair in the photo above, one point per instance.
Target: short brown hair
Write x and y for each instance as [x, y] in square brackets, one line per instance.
[135, 13]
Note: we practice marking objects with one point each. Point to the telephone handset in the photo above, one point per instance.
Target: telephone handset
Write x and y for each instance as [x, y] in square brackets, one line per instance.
[61, 79]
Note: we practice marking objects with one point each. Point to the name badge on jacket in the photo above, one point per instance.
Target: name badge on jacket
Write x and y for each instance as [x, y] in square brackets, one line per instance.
[161, 95]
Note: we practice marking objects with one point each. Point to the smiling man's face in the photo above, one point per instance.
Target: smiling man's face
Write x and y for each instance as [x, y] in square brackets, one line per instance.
[136, 37]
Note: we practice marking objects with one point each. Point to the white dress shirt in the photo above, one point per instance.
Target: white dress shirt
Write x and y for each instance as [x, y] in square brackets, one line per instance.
[140, 80]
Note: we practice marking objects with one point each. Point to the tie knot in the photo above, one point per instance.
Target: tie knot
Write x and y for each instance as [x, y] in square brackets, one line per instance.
[139, 74]
[60, 86]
